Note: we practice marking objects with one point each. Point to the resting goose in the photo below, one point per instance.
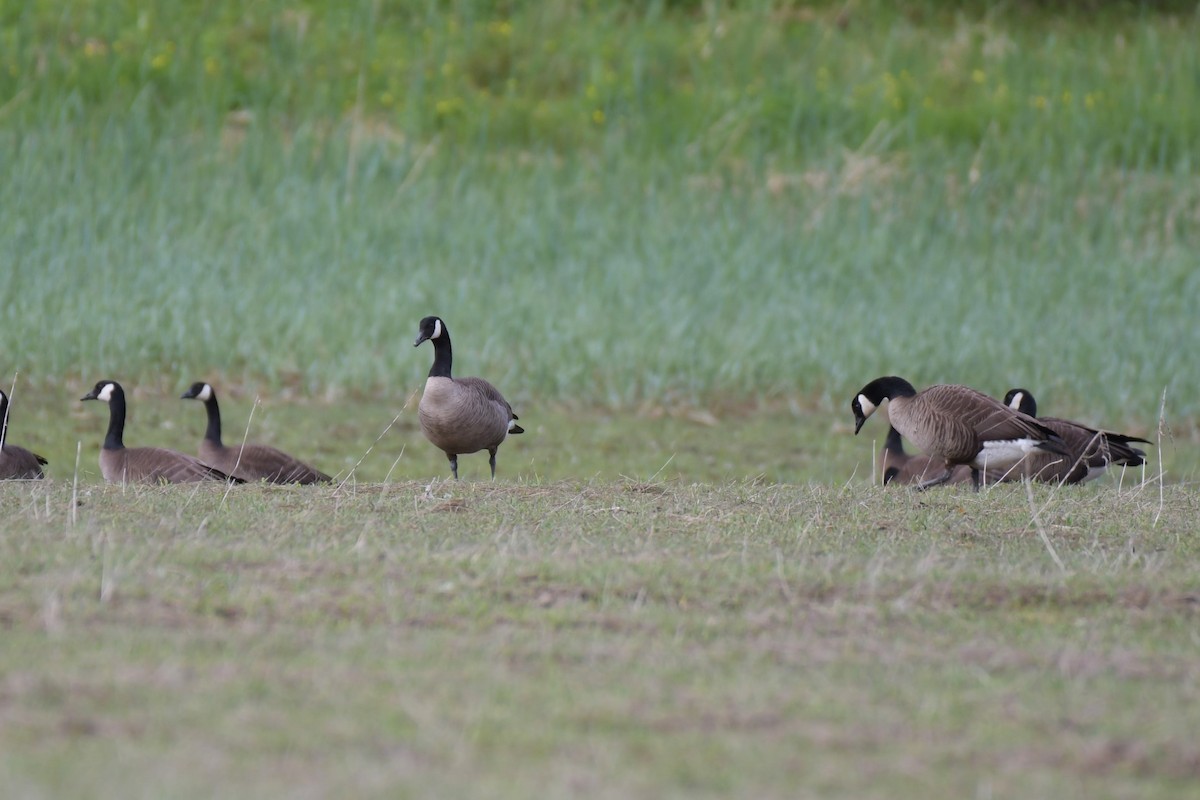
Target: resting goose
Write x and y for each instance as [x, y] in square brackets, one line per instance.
[121, 464]
[1091, 450]
[250, 462]
[16, 463]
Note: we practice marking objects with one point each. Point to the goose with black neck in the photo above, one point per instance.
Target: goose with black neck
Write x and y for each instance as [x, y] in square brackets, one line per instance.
[460, 415]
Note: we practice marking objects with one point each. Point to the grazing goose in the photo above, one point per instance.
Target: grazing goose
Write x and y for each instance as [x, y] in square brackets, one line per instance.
[121, 464]
[901, 468]
[1091, 450]
[16, 463]
[251, 462]
[957, 425]
[460, 415]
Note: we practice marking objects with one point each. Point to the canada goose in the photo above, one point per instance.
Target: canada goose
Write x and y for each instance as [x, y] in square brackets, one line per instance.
[16, 463]
[1091, 450]
[121, 464]
[955, 424]
[251, 462]
[460, 415]
[901, 468]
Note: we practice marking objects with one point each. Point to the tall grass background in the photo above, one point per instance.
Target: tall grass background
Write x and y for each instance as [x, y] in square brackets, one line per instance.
[610, 204]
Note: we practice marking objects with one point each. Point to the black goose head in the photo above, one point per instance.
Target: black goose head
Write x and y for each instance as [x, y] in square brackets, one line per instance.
[871, 396]
[1022, 401]
[431, 328]
[198, 391]
[105, 391]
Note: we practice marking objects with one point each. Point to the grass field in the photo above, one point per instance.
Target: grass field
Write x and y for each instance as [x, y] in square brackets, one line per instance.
[605, 639]
[678, 236]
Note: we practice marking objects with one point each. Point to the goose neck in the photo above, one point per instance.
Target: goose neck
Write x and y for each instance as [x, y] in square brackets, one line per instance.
[442, 356]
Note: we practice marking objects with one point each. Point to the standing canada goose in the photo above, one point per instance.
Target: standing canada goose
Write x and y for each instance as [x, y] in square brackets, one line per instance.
[121, 464]
[901, 468]
[251, 462]
[16, 463]
[460, 415]
[957, 425]
[1091, 450]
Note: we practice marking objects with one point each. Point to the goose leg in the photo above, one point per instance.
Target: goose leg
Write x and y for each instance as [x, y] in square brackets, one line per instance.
[938, 481]
[453, 464]
[975, 478]
[492, 461]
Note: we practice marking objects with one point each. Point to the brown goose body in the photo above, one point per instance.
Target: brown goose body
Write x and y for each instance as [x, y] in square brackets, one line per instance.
[121, 464]
[16, 463]
[460, 415]
[956, 425]
[1091, 450]
[249, 462]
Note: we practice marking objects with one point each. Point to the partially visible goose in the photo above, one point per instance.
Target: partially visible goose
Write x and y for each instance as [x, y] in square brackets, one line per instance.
[900, 468]
[956, 425]
[16, 463]
[460, 415]
[1091, 450]
[251, 462]
[121, 464]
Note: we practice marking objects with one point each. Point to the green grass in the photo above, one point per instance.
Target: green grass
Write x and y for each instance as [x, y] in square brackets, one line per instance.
[756, 218]
[612, 639]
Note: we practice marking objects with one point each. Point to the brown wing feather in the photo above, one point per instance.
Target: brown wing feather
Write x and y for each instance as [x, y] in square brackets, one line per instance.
[464, 415]
[155, 465]
[488, 391]
[17, 463]
[260, 462]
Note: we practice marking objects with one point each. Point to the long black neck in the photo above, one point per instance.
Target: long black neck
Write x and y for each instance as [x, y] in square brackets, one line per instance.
[892, 442]
[892, 386]
[442, 356]
[3, 419]
[116, 421]
[213, 433]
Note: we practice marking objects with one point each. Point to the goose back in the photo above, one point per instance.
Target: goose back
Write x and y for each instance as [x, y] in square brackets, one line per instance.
[155, 465]
[964, 426]
[16, 463]
[259, 462]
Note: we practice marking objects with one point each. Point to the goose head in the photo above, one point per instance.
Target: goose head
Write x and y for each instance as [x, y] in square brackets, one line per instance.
[430, 328]
[198, 391]
[104, 391]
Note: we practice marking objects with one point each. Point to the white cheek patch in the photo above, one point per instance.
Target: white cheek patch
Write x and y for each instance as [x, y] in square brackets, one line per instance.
[106, 393]
[1016, 400]
[437, 329]
[868, 408]
[205, 393]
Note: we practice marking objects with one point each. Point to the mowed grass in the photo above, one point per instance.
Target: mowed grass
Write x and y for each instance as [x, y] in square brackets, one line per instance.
[612, 639]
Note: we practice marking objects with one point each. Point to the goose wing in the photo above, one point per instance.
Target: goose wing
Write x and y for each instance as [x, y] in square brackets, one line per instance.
[158, 464]
[258, 462]
[17, 463]
[488, 392]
